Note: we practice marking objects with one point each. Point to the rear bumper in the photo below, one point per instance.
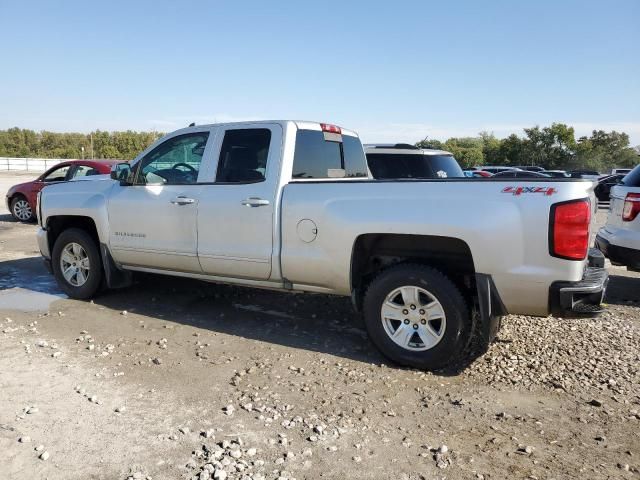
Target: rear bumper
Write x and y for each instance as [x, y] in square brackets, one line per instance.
[584, 297]
[629, 257]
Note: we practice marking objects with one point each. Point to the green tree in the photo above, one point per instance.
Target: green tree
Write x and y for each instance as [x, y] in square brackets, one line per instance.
[427, 142]
[17, 142]
[604, 151]
[550, 147]
[467, 150]
[512, 151]
[491, 149]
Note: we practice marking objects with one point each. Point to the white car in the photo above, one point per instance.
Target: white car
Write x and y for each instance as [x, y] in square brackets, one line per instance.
[619, 239]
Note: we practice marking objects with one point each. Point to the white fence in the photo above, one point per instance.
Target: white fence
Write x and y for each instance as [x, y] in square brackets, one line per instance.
[28, 164]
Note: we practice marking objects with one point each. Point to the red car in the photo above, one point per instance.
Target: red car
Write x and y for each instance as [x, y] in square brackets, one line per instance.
[21, 199]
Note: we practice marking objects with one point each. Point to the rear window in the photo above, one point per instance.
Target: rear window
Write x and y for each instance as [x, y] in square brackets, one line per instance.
[316, 157]
[385, 166]
[633, 178]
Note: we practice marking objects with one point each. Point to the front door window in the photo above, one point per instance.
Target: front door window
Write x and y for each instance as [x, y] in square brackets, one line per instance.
[174, 162]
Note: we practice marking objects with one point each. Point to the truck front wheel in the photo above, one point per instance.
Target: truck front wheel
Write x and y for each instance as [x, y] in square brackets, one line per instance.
[417, 317]
[76, 263]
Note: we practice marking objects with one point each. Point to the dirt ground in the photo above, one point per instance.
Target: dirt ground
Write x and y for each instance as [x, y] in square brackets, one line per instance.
[173, 379]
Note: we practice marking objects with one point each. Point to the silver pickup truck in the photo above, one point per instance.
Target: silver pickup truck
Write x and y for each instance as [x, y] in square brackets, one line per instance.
[291, 205]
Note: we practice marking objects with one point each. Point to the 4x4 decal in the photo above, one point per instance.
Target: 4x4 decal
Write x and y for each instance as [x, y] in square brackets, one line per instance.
[520, 190]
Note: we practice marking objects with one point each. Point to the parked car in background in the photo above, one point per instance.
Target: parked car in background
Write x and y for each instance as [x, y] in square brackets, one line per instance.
[587, 174]
[604, 186]
[624, 171]
[556, 173]
[619, 239]
[21, 198]
[530, 168]
[398, 161]
[493, 169]
[520, 174]
[477, 174]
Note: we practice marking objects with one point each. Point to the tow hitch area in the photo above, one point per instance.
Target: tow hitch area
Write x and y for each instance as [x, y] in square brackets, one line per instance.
[584, 297]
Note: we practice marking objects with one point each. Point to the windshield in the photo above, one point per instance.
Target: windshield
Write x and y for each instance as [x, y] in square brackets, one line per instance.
[385, 166]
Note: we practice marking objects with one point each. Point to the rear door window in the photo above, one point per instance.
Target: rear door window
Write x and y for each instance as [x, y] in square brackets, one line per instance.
[317, 158]
[84, 171]
[243, 156]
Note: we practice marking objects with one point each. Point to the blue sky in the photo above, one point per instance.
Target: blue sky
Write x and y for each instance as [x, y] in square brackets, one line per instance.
[393, 70]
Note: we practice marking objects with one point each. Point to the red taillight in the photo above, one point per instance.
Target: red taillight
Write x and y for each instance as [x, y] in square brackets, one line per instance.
[326, 127]
[569, 234]
[631, 207]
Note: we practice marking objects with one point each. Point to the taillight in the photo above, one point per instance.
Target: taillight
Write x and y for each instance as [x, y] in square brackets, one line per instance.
[569, 229]
[631, 207]
[326, 127]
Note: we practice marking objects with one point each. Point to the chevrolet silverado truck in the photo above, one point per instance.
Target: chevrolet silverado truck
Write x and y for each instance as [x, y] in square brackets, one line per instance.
[290, 205]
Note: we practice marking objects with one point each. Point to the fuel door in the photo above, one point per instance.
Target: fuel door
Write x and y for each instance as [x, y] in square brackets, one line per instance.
[307, 230]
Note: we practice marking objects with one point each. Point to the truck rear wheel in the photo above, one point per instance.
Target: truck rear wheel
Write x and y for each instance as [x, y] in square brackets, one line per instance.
[76, 263]
[417, 317]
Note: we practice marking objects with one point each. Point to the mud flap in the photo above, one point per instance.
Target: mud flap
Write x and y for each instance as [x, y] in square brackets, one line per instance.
[114, 276]
[490, 309]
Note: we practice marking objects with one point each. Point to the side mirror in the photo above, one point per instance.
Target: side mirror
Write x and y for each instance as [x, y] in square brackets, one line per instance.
[122, 173]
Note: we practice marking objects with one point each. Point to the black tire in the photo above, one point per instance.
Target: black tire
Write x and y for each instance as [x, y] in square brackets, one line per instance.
[94, 278]
[14, 204]
[458, 328]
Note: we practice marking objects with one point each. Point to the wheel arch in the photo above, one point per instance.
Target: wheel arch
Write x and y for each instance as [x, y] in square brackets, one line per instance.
[57, 224]
[449, 255]
[373, 252]
[115, 277]
[18, 194]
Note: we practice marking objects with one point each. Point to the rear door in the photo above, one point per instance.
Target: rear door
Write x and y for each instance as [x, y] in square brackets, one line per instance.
[236, 209]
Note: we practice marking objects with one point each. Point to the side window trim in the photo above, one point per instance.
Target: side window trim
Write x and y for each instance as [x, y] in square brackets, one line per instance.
[71, 172]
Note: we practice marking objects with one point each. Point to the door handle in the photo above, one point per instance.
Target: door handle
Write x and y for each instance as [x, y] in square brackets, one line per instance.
[255, 202]
[182, 200]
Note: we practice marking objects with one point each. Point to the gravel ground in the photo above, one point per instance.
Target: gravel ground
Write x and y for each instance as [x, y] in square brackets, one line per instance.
[180, 379]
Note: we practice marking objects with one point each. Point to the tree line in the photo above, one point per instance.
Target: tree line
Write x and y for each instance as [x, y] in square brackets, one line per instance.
[553, 147]
[19, 142]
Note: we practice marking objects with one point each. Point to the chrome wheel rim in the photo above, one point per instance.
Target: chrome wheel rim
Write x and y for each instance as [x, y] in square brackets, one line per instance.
[74, 264]
[22, 210]
[413, 318]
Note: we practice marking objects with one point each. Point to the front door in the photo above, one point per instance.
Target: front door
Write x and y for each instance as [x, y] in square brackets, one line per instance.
[153, 222]
[236, 211]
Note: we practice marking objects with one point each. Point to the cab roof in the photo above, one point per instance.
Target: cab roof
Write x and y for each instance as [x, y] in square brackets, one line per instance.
[301, 124]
